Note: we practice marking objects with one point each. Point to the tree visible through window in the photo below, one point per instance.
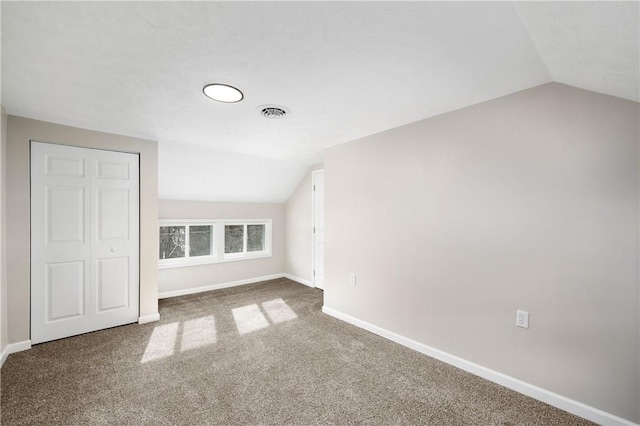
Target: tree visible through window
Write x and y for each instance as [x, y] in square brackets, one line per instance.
[200, 240]
[244, 238]
[172, 242]
[255, 237]
[174, 239]
[234, 238]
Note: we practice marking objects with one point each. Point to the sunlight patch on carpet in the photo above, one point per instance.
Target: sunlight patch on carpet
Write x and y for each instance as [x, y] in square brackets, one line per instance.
[198, 332]
[278, 311]
[162, 342]
[249, 318]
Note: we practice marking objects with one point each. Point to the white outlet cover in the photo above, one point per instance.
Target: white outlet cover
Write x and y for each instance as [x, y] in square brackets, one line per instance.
[522, 318]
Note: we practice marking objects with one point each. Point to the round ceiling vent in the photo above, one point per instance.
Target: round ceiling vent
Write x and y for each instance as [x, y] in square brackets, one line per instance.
[274, 111]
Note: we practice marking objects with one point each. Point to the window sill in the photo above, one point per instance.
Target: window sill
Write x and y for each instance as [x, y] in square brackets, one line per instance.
[211, 260]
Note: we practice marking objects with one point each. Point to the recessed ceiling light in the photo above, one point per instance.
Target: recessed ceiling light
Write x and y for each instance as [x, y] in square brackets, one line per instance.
[223, 93]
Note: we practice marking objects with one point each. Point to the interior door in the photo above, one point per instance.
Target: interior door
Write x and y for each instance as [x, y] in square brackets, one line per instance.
[318, 228]
[84, 240]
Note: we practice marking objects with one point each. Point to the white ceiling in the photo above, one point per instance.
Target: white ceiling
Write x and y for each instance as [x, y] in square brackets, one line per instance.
[345, 69]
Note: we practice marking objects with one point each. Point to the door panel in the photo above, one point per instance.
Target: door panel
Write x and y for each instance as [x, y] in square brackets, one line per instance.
[113, 283]
[114, 242]
[57, 166]
[65, 211]
[113, 170]
[60, 250]
[65, 290]
[84, 240]
[113, 213]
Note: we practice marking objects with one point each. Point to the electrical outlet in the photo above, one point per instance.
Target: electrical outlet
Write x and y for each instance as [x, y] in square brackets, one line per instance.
[522, 318]
[352, 279]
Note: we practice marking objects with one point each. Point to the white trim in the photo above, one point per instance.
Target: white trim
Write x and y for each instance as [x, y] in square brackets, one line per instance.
[149, 318]
[201, 289]
[299, 280]
[551, 398]
[209, 260]
[13, 348]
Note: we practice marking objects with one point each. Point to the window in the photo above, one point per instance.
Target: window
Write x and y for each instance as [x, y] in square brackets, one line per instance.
[244, 239]
[175, 238]
[255, 237]
[172, 242]
[233, 239]
[200, 240]
[194, 242]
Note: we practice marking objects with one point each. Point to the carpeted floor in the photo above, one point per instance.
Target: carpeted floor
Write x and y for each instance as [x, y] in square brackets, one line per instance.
[257, 354]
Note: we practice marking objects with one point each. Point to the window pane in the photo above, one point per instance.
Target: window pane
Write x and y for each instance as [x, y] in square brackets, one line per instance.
[234, 238]
[200, 240]
[171, 242]
[255, 237]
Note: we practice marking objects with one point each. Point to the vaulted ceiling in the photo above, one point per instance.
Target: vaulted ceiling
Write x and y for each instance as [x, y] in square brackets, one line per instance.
[344, 69]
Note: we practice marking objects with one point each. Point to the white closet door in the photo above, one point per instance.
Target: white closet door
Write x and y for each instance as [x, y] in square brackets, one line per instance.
[84, 240]
[318, 228]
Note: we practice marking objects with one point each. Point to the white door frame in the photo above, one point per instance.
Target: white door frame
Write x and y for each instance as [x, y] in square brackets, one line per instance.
[314, 173]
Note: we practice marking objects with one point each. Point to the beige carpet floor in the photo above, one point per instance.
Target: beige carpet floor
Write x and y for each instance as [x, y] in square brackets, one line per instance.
[257, 354]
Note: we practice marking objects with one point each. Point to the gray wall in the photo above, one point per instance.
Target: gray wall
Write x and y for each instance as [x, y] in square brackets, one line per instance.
[527, 202]
[298, 212]
[19, 132]
[192, 277]
[4, 334]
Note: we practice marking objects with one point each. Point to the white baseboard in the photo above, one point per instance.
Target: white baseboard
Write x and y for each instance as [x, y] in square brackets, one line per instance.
[149, 318]
[201, 289]
[575, 407]
[299, 280]
[13, 348]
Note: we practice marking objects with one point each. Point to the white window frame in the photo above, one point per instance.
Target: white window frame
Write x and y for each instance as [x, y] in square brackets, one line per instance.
[217, 251]
[249, 254]
[188, 260]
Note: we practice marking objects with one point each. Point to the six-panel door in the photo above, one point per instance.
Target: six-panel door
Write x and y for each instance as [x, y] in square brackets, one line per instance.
[84, 240]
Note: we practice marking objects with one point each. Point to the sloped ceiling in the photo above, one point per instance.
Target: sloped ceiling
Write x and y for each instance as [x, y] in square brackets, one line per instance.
[345, 69]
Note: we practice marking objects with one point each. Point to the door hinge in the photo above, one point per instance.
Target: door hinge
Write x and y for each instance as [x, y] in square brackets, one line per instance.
[314, 187]
[314, 229]
[314, 272]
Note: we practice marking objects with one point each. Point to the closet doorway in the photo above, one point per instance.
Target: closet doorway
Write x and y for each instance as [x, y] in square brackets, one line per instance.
[84, 240]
